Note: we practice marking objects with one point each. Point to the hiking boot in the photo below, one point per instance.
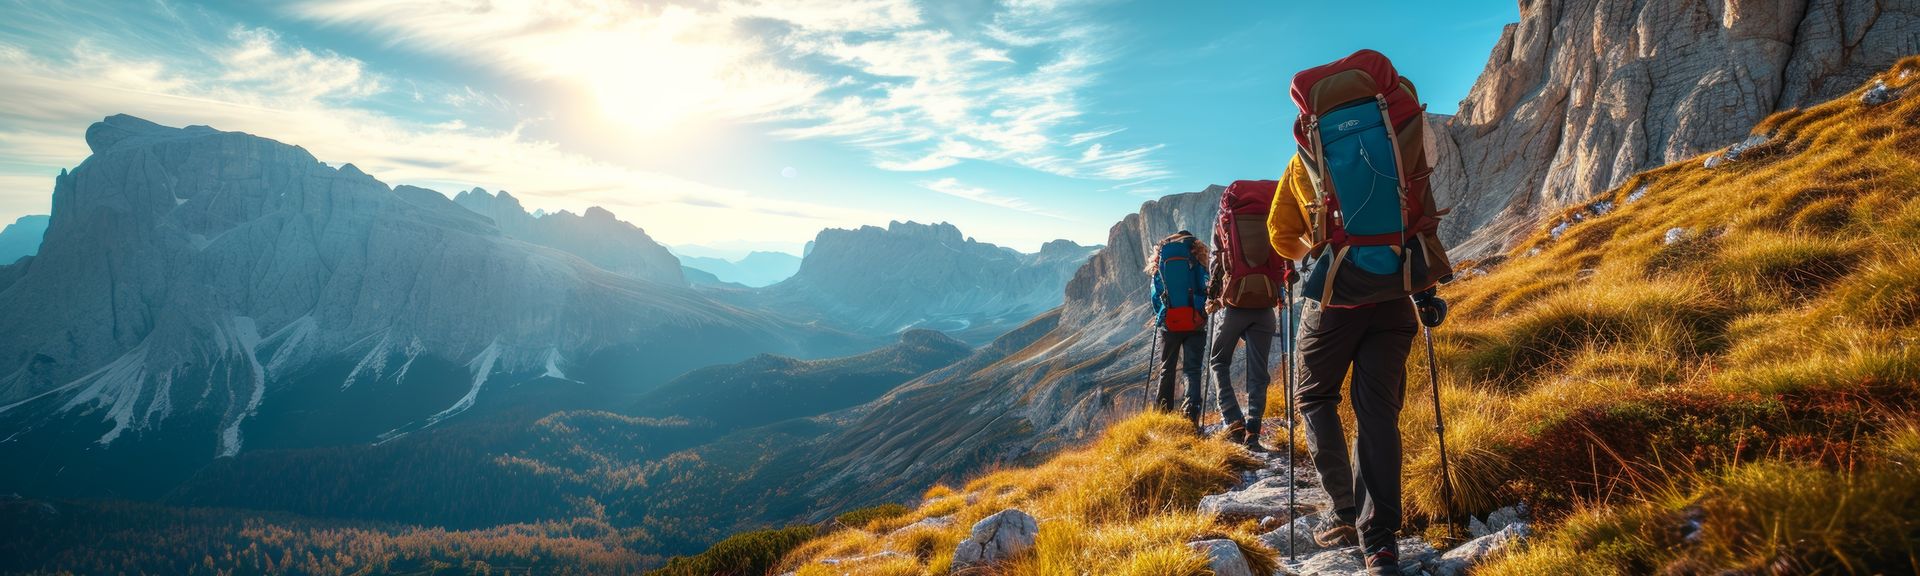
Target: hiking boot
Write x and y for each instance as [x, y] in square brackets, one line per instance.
[1383, 563]
[1337, 536]
[1253, 444]
[1236, 432]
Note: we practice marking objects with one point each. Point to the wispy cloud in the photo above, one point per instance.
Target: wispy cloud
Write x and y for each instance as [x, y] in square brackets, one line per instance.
[953, 187]
[1004, 84]
[253, 80]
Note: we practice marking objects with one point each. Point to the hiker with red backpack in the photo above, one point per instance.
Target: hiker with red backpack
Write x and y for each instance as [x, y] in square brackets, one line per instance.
[1356, 202]
[1178, 265]
[1248, 279]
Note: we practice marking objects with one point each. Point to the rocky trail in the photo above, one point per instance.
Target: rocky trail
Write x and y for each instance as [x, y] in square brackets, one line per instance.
[1262, 495]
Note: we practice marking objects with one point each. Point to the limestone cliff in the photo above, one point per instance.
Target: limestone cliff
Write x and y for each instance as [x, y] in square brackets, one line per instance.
[1581, 94]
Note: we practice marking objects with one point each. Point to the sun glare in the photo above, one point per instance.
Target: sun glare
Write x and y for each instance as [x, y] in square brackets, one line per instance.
[654, 76]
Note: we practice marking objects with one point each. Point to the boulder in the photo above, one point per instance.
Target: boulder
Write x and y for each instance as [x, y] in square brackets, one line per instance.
[1879, 94]
[1497, 520]
[998, 537]
[1462, 558]
[1224, 557]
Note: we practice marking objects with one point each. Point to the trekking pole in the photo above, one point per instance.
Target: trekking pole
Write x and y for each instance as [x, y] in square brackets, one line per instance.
[1206, 375]
[1287, 335]
[1440, 431]
[1151, 354]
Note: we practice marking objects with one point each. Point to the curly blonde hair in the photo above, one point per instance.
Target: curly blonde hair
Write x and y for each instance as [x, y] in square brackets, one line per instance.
[1200, 252]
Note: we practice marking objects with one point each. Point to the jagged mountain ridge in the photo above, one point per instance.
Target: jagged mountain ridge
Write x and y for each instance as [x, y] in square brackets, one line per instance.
[22, 238]
[911, 275]
[597, 236]
[190, 276]
[1582, 94]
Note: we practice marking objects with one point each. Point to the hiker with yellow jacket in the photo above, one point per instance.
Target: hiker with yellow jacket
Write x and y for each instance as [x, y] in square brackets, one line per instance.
[1356, 205]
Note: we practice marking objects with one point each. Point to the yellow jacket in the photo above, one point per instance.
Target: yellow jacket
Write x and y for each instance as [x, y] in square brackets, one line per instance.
[1287, 224]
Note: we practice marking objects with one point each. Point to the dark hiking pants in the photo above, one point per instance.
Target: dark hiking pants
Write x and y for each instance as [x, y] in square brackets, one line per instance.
[1255, 326]
[1186, 349]
[1374, 341]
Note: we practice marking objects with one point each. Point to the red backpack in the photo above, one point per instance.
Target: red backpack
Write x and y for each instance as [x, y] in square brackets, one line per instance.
[1253, 273]
[1362, 137]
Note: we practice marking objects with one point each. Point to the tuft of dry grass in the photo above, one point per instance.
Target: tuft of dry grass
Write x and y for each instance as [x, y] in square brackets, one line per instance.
[1757, 518]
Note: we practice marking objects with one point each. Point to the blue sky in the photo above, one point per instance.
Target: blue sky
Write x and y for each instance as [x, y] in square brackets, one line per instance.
[733, 124]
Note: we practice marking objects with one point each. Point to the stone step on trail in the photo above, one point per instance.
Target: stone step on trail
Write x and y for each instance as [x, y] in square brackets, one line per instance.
[1263, 495]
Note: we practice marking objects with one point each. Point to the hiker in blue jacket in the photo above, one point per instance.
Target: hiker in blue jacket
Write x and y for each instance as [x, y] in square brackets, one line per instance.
[1178, 266]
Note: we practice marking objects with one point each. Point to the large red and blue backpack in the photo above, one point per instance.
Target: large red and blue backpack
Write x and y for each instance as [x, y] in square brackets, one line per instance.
[1362, 137]
[1183, 298]
[1252, 274]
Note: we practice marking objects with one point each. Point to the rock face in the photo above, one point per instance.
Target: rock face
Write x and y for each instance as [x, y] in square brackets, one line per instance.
[910, 275]
[597, 237]
[1003, 535]
[1582, 94]
[190, 275]
[22, 237]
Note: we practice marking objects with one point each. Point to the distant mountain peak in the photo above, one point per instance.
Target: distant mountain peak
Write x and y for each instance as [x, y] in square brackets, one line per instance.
[599, 236]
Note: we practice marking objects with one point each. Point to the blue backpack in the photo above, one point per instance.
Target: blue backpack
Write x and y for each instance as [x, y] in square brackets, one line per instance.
[1183, 293]
[1362, 137]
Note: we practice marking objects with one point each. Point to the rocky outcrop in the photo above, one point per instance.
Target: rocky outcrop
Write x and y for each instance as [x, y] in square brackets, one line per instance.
[1582, 94]
[22, 237]
[927, 276]
[597, 237]
[189, 275]
[1004, 535]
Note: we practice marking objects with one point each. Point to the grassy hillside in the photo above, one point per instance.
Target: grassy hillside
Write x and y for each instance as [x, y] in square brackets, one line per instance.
[1704, 369]
[1123, 505]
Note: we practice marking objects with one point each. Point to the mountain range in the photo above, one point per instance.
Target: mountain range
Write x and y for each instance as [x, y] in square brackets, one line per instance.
[193, 283]
[910, 275]
[755, 270]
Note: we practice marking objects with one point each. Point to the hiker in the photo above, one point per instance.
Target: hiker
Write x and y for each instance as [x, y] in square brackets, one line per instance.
[1246, 288]
[1357, 201]
[1178, 266]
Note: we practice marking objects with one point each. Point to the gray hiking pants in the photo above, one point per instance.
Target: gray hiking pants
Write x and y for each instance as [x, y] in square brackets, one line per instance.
[1374, 341]
[1255, 326]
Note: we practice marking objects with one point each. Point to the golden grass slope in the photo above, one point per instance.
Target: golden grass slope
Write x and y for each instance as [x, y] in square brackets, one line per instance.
[1707, 369]
[1703, 370]
[1123, 505]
